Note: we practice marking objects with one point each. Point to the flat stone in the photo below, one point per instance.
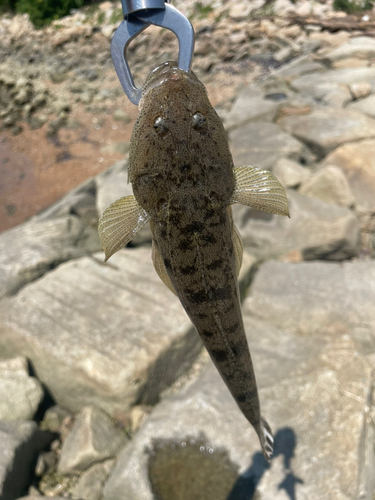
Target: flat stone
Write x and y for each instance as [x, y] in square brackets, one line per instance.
[325, 129]
[112, 335]
[93, 438]
[20, 394]
[366, 106]
[330, 185]
[250, 106]
[311, 297]
[262, 144]
[290, 173]
[91, 482]
[361, 47]
[33, 248]
[360, 90]
[357, 160]
[20, 442]
[112, 185]
[298, 67]
[317, 230]
[301, 381]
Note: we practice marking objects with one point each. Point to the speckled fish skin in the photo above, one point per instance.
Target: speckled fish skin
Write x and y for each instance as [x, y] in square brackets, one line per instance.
[182, 176]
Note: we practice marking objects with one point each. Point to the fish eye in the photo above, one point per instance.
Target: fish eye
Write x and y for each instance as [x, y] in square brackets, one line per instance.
[160, 126]
[199, 121]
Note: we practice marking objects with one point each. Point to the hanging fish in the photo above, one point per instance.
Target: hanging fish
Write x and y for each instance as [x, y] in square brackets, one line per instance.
[184, 184]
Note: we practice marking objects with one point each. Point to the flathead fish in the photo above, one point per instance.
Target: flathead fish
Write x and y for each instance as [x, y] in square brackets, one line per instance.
[184, 184]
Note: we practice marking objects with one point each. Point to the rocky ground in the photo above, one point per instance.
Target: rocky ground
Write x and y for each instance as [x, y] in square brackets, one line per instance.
[105, 391]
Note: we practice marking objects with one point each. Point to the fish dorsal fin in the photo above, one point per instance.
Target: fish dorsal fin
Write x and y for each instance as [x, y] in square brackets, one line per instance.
[119, 223]
[259, 189]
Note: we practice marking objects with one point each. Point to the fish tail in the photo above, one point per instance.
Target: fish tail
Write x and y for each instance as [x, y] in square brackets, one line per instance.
[266, 439]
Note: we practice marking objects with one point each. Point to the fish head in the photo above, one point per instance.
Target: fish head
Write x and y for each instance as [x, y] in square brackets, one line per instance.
[179, 146]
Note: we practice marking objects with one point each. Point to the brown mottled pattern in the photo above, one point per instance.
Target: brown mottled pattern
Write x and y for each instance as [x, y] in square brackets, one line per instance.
[183, 178]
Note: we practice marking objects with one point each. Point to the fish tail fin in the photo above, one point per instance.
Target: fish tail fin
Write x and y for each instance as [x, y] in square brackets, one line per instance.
[266, 439]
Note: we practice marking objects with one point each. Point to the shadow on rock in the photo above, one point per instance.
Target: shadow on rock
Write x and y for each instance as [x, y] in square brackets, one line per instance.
[245, 486]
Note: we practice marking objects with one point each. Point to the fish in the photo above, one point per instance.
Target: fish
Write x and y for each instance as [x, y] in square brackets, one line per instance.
[184, 184]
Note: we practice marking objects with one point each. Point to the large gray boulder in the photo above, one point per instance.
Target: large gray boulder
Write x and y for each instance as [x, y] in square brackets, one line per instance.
[105, 335]
[30, 250]
[20, 394]
[20, 442]
[262, 144]
[325, 129]
[316, 297]
[198, 439]
[316, 230]
[357, 160]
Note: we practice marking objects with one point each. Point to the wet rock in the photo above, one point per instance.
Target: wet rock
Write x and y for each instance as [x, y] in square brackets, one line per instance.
[31, 249]
[53, 418]
[330, 185]
[262, 144]
[316, 229]
[300, 380]
[325, 129]
[93, 438]
[99, 310]
[366, 106]
[290, 173]
[20, 443]
[357, 162]
[91, 482]
[20, 394]
[250, 106]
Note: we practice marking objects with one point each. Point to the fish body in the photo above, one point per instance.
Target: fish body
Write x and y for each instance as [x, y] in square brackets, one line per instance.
[184, 182]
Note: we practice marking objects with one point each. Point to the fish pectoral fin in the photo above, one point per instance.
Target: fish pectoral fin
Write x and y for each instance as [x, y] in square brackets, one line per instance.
[119, 223]
[157, 259]
[259, 189]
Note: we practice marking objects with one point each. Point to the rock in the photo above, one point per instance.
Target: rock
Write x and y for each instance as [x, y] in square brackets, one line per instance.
[357, 162]
[53, 418]
[325, 129]
[37, 121]
[299, 66]
[308, 84]
[262, 144]
[316, 229]
[91, 482]
[250, 106]
[134, 333]
[121, 116]
[361, 47]
[121, 147]
[366, 106]
[79, 201]
[112, 185]
[20, 394]
[290, 173]
[20, 442]
[38, 497]
[33, 248]
[330, 185]
[360, 90]
[312, 297]
[179, 450]
[93, 438]
[58, 76]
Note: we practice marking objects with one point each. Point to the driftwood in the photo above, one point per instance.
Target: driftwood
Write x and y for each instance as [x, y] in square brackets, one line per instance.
[348, 23]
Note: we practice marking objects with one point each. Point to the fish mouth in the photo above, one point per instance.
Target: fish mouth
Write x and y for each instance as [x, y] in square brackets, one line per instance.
[167, 72]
